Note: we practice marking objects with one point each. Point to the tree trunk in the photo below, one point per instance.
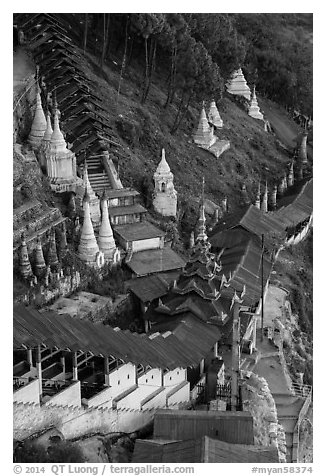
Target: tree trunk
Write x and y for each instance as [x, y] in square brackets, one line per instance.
[151, 69]
[172, 76]
[106, 51]
[130, 50]
[180, 116]
[146, 70]
[85, 32]
[124, 57]
[173, 130]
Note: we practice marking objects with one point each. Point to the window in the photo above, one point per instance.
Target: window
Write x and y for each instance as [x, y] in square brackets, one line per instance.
[163, 187]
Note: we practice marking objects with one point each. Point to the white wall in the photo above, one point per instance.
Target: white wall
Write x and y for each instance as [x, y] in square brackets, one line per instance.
[151, 377]
[181, 395]
[123, 377]
[174, 377]
[158, 400]
[28, 393]
[68, 396]
[149, 244]
[133, 400]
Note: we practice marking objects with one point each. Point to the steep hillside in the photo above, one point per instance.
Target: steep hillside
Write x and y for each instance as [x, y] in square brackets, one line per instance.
[144, 129]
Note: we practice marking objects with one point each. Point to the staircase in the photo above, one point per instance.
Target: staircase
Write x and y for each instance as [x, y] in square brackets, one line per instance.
[98, 178]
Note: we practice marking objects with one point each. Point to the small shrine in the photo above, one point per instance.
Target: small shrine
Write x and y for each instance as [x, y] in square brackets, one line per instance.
[165, 196]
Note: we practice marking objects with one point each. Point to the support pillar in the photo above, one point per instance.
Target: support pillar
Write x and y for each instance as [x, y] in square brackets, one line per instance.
[30, 357]
[39, 368]
[74, 366]
[235, 357]
[216, 349]
[106, 371]
[201, 367]
[63, 363]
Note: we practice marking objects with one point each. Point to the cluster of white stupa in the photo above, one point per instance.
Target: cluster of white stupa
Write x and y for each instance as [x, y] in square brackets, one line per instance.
[96, 252]
[51, 149]
[238, 86]
[204, 135]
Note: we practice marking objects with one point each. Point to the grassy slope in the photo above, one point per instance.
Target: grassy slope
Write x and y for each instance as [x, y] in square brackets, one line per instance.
[254, 154]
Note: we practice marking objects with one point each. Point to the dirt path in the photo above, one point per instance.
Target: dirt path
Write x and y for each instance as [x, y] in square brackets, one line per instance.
[285, 129]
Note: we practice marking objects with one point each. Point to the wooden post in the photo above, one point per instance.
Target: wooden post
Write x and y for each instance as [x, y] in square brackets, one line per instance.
[262, 287]
[39, 368]
[63, 363]
[30, 357]
[201, 367]
[235, 356]
[106, 371]
[74, 366]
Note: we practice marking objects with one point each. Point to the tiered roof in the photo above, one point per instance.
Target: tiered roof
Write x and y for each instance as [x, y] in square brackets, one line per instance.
[197, 290]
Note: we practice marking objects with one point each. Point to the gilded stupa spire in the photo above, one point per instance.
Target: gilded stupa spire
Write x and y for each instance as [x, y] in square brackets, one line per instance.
[202, 219]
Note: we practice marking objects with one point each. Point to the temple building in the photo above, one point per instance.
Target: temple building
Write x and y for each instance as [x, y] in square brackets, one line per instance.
[106, 241]
[237, 85]
[165, 196]
[88, 249]
[39, 124]
[60, 161]
[254, 110]
[214, 117]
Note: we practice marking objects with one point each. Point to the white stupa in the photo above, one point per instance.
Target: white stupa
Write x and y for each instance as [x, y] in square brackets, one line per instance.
[214, 116]
[254, 110]
[238, 85]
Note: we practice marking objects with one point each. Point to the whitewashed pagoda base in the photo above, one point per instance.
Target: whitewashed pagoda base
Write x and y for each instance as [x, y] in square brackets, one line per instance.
[63, 185]
[217, 148]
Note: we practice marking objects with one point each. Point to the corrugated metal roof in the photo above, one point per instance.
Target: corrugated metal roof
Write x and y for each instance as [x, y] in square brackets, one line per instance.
[127, 210]
[201, 450]
[231, 427]
[138, 231]
[296, 208]
[122, 192]
[187, 328]
[31, 328]
[148, 288]
[155, 261]
[244, 263]
[251, 219]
